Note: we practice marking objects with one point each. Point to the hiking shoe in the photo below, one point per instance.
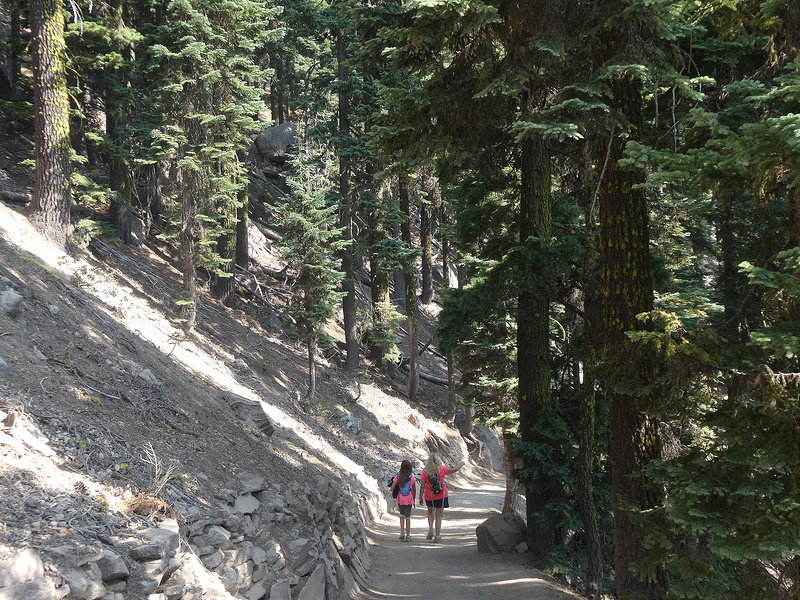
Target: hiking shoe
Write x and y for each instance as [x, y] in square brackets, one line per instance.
[408, 538]
[430, 535]
[402, 536]
[437, 539]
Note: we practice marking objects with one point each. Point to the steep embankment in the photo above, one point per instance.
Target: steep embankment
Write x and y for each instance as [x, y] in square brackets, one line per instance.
[118, 427]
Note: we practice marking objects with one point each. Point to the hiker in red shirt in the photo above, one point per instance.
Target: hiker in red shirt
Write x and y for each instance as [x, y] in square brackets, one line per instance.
[434, 490]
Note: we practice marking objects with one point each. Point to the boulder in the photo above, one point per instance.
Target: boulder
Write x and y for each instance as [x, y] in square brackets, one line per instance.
[23, 566]
[274, 143]
[500, 533]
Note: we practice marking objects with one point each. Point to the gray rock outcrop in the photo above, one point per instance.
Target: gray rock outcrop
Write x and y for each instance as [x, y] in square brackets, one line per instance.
[500, 533]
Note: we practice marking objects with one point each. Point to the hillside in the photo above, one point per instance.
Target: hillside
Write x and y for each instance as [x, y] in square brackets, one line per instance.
[119, 428]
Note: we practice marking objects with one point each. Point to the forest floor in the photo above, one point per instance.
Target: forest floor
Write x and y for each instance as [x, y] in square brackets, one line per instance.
[109, 395]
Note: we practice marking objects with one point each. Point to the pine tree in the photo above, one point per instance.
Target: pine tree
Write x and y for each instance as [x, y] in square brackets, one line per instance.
[310, 244]
[200, 60]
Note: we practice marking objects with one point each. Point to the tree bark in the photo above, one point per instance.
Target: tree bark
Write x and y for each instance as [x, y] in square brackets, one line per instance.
[243, 225]
[52, 194]
[533, 339]
[410, 296]
[510, 465]
[425, 242]
[351, 362]
[312, 364]
[188, 247]
[223, 288]
[117, 111]
[592, 321]
[628, 291]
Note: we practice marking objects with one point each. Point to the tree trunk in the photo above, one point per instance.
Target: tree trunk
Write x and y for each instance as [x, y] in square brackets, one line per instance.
[533, 339]
[10, 72]
[117, 113]
[410, 296]
[450, 413]
[351, 362]
[312, 364]
[224, 288]
[628, 291]
[510, 465]
[52, 195]
[591, 336]
[731, 280]
[188, 307]
[379, 290]
[425, 241]
[242, 225]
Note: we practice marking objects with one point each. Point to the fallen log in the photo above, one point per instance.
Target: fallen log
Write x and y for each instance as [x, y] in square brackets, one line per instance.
[15, 197]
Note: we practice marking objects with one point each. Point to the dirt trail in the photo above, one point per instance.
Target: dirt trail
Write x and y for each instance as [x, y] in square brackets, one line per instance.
[453, 569]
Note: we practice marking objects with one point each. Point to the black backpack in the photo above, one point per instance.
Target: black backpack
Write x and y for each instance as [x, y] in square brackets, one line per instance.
[436, 485]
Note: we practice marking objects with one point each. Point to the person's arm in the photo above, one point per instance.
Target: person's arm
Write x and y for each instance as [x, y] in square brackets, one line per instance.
[421, 490]
[454, 469]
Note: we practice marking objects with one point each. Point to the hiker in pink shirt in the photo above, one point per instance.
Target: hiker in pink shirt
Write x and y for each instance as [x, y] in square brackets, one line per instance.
[436, 502]
[406, 484]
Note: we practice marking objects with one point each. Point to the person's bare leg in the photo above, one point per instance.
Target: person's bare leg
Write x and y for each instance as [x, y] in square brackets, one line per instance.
[439, 512]
[430, 522]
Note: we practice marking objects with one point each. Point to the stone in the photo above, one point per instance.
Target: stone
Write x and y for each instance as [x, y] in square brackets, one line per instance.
[274, 143]
[212, 561]
[238, 556]
[77, 555]
[147, 552]
[259, 555]
[41, 589]
[281, 590]
[112, 566]
[85, 584]
[314, 589]
[10, 302]
[22, 567]
[352, 424]
[250, 410]
[216, 536]
[246, 504]
[244, 575]
[250, 481]
[299, 550]
[229, 578]
[151, 379]
[3, 366]
[500, 533]
[256, 592]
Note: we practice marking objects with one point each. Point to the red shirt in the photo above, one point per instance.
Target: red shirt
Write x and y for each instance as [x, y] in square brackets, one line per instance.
[443, 470]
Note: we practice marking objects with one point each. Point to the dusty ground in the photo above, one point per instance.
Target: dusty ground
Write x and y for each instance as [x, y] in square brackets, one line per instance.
[453, 568]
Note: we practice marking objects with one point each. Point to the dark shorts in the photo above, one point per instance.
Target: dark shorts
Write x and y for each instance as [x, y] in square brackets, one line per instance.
[439, 502]
[405, 510]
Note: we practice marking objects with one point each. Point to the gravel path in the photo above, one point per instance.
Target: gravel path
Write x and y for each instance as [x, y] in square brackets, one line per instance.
[453, 569]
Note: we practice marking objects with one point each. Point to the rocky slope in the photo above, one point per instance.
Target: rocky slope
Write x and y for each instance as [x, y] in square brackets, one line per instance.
[139, 462]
